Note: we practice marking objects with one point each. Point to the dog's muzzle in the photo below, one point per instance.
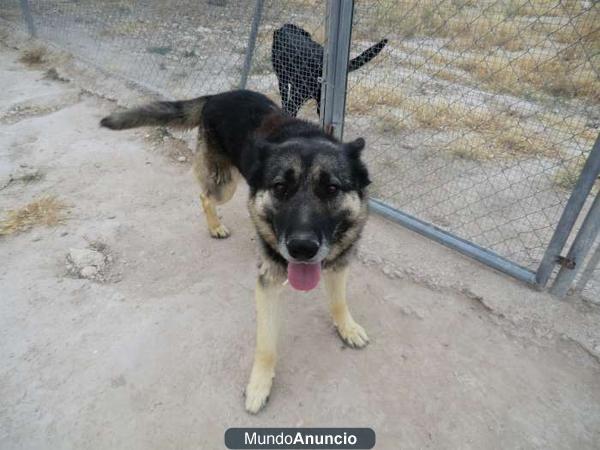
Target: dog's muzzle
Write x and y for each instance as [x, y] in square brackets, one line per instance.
[304, 253]
[303, 247]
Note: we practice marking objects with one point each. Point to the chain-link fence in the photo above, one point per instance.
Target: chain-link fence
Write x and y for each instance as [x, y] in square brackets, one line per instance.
[478, 115]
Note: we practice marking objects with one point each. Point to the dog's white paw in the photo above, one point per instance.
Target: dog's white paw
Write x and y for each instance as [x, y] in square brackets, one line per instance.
[353, 334]
[257, 393]
[220, 232]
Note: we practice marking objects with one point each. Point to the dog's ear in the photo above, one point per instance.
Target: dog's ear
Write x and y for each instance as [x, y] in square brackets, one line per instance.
[355, 148]
[361, 174]
[254, 160]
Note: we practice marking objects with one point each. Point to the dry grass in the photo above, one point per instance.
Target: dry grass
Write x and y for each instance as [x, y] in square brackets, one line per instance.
[570, 127]
[362, 99]
[46, 210]
[386, 123]
[486, 32]
[548, 8]
[482, 133]
[470, 146]
[531, 73]
[34, 56]
[555, 56]
[568, 174]
[125, 28]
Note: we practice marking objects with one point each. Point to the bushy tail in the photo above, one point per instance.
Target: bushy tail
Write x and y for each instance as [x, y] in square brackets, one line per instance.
[180, 114]
[366, 56]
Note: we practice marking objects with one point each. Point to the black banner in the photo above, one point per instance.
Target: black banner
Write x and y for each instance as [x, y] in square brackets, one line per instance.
[300, 438]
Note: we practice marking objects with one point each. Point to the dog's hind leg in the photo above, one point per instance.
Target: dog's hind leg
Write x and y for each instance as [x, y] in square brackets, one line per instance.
[218, 181]
[268, 288]
[351, 332]
[215, 227]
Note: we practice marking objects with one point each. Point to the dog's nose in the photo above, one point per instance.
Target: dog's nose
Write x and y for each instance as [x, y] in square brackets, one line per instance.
[302, 247]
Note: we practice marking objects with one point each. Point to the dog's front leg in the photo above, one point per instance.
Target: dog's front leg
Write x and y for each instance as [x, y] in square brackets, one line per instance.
[267, 327]
[351, 332]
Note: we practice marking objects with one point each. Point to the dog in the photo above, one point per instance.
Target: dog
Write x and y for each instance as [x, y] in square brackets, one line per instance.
[298, 64]
[308, 202]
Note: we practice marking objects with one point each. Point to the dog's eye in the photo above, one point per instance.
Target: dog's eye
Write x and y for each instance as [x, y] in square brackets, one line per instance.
[332, 189]
[279, 189]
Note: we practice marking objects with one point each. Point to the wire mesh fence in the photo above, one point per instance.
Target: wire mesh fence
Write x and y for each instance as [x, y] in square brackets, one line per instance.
[478, 115]
[177, 48]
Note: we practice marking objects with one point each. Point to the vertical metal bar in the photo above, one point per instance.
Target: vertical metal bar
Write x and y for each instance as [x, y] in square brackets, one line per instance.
[341, 68]
[579, 249]
[589, 270]
[329, 54]
[584, 185]
[339, 35]
[26, 11]
[258, 9]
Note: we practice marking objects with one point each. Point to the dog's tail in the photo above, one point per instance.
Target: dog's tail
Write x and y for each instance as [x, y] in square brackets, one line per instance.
[366, 56]
[179, 114]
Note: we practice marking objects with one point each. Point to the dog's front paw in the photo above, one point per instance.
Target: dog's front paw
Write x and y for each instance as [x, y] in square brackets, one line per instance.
[353, 334]
[219, 232]
[257, 393]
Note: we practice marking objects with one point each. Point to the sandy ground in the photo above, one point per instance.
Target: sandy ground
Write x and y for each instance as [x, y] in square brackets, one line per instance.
[157, 355]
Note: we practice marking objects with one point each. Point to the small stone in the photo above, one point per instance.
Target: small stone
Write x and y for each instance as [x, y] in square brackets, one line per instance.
[64, 233]
[88, 272]
[182, 159]
[81, 257]
[112, 217]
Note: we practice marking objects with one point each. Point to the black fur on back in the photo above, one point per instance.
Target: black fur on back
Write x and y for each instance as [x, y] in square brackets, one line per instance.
[298, 63]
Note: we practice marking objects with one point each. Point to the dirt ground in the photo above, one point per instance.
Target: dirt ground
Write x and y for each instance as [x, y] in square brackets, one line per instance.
[155, 352]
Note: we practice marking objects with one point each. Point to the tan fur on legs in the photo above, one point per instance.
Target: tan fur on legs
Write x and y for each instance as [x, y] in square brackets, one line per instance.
[218, 181]
[265, 356]
[215, 227]
[335, 284]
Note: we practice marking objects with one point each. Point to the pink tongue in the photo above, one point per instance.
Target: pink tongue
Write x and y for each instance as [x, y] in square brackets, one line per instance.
[304, 277]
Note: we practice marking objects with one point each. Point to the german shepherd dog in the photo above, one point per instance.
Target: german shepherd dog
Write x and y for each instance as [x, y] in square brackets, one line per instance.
[307, 201]
[298, 63]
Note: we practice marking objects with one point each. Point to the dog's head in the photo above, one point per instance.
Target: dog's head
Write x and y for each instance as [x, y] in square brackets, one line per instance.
[308, 201]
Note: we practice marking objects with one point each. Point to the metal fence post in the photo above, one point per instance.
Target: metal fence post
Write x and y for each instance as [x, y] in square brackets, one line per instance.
[579, 249]
[28, 18]
[589, 270]
[335, 65]
[583, 187]
[258, 9]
